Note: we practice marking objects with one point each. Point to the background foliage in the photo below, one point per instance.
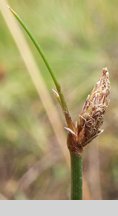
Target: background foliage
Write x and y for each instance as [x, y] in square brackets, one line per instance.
[79, 39]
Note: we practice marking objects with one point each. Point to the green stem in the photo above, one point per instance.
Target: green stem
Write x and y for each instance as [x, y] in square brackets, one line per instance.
[58, 87]
[76, 176]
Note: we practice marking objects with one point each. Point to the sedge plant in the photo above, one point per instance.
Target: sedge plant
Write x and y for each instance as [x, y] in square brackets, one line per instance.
[88, 124]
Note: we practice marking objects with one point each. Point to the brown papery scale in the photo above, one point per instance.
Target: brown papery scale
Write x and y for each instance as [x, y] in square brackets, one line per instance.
[92, 115]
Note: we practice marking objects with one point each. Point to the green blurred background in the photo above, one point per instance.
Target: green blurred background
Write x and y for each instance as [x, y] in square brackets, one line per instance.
[79, 37]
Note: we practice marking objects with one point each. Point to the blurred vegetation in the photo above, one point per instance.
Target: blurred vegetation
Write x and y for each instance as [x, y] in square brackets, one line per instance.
[79, 39]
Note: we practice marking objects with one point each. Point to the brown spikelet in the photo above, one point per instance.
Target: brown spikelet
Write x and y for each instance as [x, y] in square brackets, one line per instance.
[91, 117]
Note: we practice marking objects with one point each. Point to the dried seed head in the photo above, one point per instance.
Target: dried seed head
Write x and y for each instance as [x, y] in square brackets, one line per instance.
[94, 109]
[91, 117]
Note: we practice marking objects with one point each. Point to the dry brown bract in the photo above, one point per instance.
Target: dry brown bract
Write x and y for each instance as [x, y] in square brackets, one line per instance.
[91, 117]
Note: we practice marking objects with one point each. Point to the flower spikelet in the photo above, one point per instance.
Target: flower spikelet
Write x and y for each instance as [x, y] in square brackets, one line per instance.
[92, 115]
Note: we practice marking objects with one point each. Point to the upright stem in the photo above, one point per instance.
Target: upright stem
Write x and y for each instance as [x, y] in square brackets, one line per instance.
[76, 160]
[76, 176]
